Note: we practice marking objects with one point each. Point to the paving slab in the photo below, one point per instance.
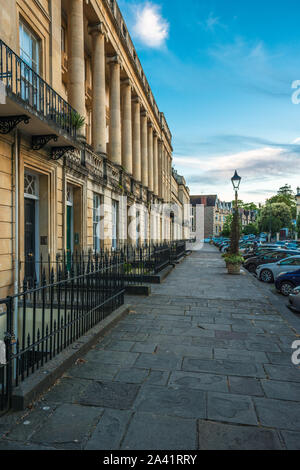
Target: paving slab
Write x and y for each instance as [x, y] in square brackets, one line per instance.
[156, 434]
[230, 408]
[220, 436]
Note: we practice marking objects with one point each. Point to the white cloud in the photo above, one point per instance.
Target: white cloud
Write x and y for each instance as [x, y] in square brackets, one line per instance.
[150, 27]
[212, 22]
[263, 171]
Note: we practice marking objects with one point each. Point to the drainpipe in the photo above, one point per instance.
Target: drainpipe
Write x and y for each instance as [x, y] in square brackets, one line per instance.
[16, 233]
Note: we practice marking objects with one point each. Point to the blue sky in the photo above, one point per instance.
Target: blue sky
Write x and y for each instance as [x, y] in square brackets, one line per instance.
[222, 72]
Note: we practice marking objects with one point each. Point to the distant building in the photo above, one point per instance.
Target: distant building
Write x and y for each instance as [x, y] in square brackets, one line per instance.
[215, 213]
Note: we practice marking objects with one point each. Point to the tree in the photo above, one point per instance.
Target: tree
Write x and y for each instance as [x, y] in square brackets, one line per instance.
[274, 217]
[251, 229]
[285, 195]
[298, 226]
[227, 226]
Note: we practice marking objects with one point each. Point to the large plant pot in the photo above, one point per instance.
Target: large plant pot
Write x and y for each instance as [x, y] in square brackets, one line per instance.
[233, 268]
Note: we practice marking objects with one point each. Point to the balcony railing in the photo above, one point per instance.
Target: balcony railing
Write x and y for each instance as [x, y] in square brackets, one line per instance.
[33, 92]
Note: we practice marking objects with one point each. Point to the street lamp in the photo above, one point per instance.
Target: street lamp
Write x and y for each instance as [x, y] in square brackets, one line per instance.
[235, 229]
[236, 181]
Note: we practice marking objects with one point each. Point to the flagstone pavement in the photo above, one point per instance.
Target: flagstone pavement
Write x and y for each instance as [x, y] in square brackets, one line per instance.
[203, 363]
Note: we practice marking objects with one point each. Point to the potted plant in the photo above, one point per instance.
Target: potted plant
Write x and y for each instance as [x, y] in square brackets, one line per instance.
[233, 263]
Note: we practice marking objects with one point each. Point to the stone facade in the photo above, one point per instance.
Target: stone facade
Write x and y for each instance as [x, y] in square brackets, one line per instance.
[78, 63]
[215, 213]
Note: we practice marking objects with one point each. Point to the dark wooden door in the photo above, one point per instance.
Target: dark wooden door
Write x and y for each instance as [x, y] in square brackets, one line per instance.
[29, 238]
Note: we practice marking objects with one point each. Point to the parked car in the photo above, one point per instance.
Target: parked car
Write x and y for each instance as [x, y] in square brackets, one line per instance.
[269, 272]
[258, 252]
[285, 283]
[252, 264]
[294, 300]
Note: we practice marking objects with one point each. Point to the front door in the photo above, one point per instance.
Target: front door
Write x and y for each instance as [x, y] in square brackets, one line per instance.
[29, 238]
[69, 234]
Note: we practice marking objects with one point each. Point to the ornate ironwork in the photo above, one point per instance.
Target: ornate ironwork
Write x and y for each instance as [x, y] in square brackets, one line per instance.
[39, 141]
[8, 123]
[59, 152]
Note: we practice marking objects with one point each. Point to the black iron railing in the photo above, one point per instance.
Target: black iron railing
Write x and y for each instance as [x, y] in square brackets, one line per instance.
[30, 89]
[49, 317]
[139, 261]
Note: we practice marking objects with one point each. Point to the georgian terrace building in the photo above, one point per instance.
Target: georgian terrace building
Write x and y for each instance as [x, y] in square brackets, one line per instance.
[79, 128]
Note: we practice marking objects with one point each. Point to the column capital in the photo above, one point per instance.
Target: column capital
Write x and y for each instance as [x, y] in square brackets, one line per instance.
[97, 28]
[155, 134]
[115, 59]
[144, 113]
[136, 100]
[127, 82]
[150, 125]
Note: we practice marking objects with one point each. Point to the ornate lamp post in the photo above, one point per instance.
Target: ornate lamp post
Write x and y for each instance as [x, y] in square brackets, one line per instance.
[235, 228]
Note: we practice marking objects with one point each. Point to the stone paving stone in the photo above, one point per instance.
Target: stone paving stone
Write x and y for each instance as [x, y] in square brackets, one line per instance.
[281, 390]
[261, 344]
[116, 395]
[219, 436]
[167, 339]
[109, 431]
[200, 381]
[185, 403]
[245, 386]
[132, 375]
[247, 328]
[66, 390]
[219, 343]
[158, 377]
[9, 420]
[280, 358]
[29, 424]
[159, 361]
[112, 357]
[282, 373]
[291, 439]
[188, 332]
[240, 355]
[274, 328]
[186, 350]
[68, 427]
[278, 413]
[94, 370]
[212, 326]
[13, 445]
[120, 345]
[224, 367]
[230, 408]
[144, 348]
[156, 434]
[135, 337]
[231, 335]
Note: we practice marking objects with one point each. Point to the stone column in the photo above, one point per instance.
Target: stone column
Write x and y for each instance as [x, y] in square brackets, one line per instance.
[76, 84]
[136, 137]
[144, 149]
[98, 33]
[160, 176]
[126, 127]
[150, 156]
[155, 163]
[115, 144]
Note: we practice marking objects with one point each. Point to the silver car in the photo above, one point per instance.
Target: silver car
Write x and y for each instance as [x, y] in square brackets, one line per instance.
[294, 300]
[269, 272]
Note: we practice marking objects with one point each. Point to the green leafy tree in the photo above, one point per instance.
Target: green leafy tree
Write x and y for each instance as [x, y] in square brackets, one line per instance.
[251, 229]
[275, 216]
[227, 226]
[287, 196]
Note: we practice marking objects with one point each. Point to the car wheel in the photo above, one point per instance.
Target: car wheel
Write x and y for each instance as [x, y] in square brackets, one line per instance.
[266, 276]
[251, 268]
[286, 288]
